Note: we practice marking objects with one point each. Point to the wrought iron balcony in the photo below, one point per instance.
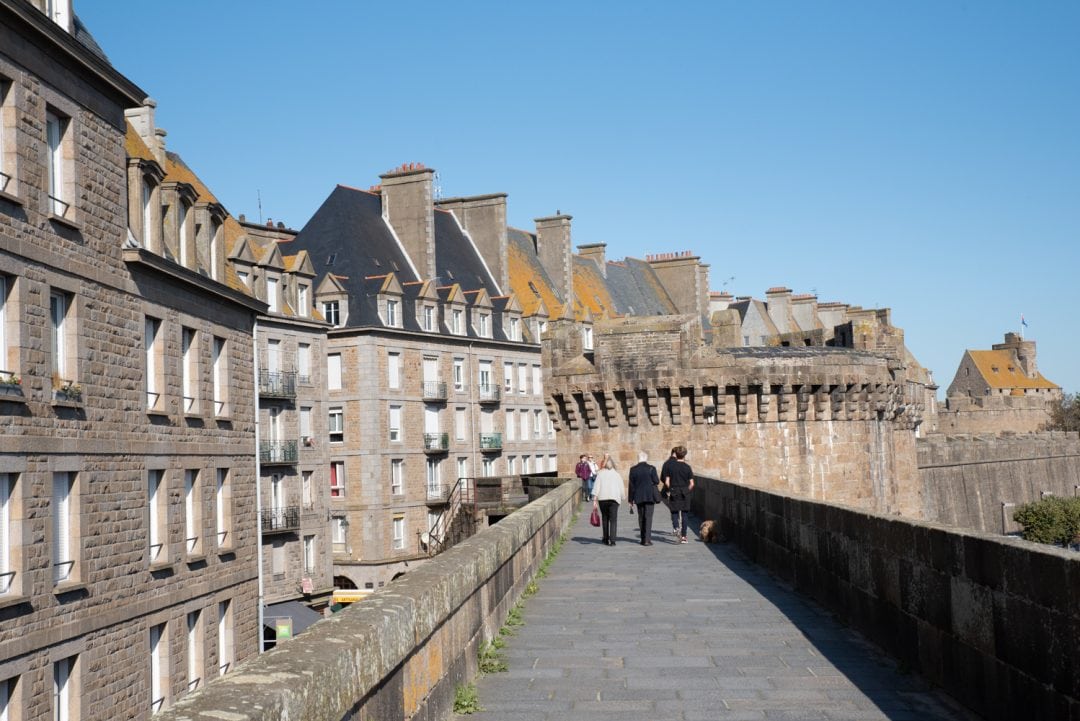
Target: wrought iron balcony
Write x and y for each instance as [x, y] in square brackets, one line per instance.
[277, 384]
[434, 391]
[436, 442]
[438, 494]
[280, 520]
[491, 441]
[489, 393]
[277, 452]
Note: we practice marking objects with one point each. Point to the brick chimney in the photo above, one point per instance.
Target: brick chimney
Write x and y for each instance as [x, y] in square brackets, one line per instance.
[682, 276]
[553, 250]
[407, 207]
[142, 119]
[595, 252]
[484, 218]
[1023, 351]
[779, 301]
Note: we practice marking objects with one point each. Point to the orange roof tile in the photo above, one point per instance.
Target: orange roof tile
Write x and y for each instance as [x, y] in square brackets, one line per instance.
[999, 370]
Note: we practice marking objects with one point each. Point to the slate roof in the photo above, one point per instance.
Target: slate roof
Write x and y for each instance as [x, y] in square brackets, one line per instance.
[456, 258]
[528, 279]
[591, 294]
[636, 290]
[1000, 370]
[82, 34]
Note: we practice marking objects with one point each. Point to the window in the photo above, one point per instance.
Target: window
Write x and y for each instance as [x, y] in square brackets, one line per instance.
[337, 425]
[399, 532]
[309, 555]
[429, 318]
[538, 424]
[395, 424]
[190, 370]
[338, 536]
[515, 329]
[186, 254]
[337, 479]
[159, 667]
[157, 515]
[244, 278]
[332, 313]
[273, 295]
[488, 466]
[7, 158]
[303, 300]
[485, 377]
[192, 513]
[8, 702]
[393, 370]
[551, 427]
[333, 371]
[277, 559]
[434, 482]
[523, 378]
[8, 364]
[223, 507]
[303, 363]
[225, 637]
[392, 313]
[456, 321]
[55, 131]
[221, 375]
[396, 467]
[525, 464]
[511, 465]
[483, 325]
[459, 374]
[511, 425]
[461, 428]
[59, 11]
[538, 386]
[508, 377]
[553, 463]
[8, 537]
[59, 306]
[587, 337]
[194, 650]
[523, 424]
[305, 489]
[65, 511]
[154, 351]
[66, 689]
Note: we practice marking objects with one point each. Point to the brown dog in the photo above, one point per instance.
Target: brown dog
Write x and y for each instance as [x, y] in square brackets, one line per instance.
[710, 532]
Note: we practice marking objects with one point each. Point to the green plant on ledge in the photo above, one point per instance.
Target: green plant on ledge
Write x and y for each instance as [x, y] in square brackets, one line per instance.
[69, 389]
[466, 700]
[10, 380]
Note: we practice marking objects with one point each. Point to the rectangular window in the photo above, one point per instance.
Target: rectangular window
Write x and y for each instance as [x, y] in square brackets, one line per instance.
[399, 532]
[462, 467]
[553, 463]
[488, 467]
[194, 650]
[332, 313]
[305, 489]
[147, 211]
[65, 528]
[221, 376]
[225, 637]
[508, 377]
[309, 555]
[434, 481]
[273, 295]
[396, 469]
[523, 424]
[538, 386]
[484, 378]
[186, 256]
[511, 465]
[190, 349]
[515, 329]
[395, 424]
[157, 515]
[8, 691]
[525, 464]
[392, 313]
[456, 321]
[333, 371]
[62, 366]
[277, 559]
[459, 374]
[223, 508]
[461, 428]
[303, 300]
[538, 424]
[65, 692]
[429, 318]
[306, 438]
[154, 352]
[338, 535]
[8, 364]
[337, 479]
[7, 169]
[303, 363]
[159, 667]
[336, 423]
[523, 378]
[8, 535]
[55, 129]
[483, 325]
[510, 425]
[192, 513]
[393, 370]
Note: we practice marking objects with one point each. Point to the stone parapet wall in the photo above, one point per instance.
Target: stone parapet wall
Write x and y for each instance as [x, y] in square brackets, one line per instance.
[966, 479]
[994, 414]
[992, 620]
[399, 654]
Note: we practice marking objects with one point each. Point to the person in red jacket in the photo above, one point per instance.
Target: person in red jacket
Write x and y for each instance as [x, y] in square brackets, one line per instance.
[584, 471]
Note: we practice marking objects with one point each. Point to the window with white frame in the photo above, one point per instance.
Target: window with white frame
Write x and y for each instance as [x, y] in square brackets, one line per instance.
[8, 358]
[484, 377]
[587, 337]
[306, 489]
[59, 11]
[306, 438]
[510, 425]
[489, 466]
[537, 386]
[225, 637]
[508, 377]
[336, 425]
[331, 311]
[65, 511]
[337, 479]
[515, 328]
[523, 424]
[392, 314]
[8, 537]
[459, 374]
[461, 426]
[190, 369]
[56, 166]
[65, 689]
[551, 427]
[462, 467]
[457, 324]
[523, 378]
[273, 294]
[154, 348]
[333, 371]
[538, 424]
[397, 467]
[192, 513]
[303, 363]
[434, 480]
[393, 370]
[159, 667]
[244, 277]
[553, 463]
[157, 515]
[221, 378]
[303, 300]
[187, 254]
[277, 559]
[399, 532]
[428, 317]
[483, 325]
[8, 701]
[309, 555]
[511, 465]
[60, 337]
[525, 464]
[223, 509]
[338, 534]
[195, 634]
[395, 424]
[7, 163]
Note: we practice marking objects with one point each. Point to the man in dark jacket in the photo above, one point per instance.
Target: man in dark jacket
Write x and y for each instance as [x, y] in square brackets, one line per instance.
[584, 471]
[644, 494]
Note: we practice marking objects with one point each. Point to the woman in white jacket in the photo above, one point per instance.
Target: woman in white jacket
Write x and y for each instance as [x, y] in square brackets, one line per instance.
[608, 493]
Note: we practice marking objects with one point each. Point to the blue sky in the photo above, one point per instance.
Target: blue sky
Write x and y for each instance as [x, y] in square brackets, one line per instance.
[922, 156]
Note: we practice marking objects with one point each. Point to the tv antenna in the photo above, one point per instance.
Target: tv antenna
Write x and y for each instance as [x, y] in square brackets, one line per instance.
[437, 186]
[258, 194]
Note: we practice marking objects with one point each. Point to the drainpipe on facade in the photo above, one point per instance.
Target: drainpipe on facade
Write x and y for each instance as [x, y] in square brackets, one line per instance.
[258, 480]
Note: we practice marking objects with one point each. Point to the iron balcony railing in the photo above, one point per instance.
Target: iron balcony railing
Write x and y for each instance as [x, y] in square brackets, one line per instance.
[491, 441]
[277, 384]
[434, 391]
[277, 452]
[280, 520]
[489, 393]
[436, 442]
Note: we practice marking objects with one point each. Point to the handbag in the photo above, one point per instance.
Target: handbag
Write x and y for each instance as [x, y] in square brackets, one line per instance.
[594, 518]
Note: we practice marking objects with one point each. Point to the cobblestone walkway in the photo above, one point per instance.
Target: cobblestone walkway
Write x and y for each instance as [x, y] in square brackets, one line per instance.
[686, 632]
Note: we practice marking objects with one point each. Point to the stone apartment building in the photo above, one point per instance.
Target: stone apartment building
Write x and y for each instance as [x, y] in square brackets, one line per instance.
[128, 553]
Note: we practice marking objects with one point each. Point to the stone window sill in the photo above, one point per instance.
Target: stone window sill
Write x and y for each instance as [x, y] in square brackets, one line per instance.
[162, 566]
[70, 224]
[69, 587]
[195, 558]
[66, 403]
[13, 199]
[13, 600]
[11, 394]
[157, 412]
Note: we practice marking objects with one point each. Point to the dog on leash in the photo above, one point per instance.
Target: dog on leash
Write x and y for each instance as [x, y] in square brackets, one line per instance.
[710, 532]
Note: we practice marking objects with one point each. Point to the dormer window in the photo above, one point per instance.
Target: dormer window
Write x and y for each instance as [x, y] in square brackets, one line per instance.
[244, 278]
[515, 328]
[273, 294]
[392, 313]
[332, 313]
[186, 254]
[587, 337]
[455, 321]
[303, 300]
[483, 325]
[428, 318]
[59, 11]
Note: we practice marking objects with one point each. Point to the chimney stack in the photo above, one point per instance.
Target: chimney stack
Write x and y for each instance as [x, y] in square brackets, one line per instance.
[779, 301]
[142, 119]
[683, 277]
[554, 253]
[595, 252]
[1023, 351]
[407, 206]
[484, 218]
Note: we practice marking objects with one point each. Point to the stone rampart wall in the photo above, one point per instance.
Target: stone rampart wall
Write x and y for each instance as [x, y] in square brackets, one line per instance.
[399, 654]
[966, 479]
[994, 621]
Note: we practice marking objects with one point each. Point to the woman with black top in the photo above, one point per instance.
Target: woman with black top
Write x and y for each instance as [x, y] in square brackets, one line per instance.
[679, 483]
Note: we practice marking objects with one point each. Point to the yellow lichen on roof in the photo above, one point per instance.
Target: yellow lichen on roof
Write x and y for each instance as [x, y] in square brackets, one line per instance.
[590, 292]
[999, 370]
[134, 145]
[522, 272]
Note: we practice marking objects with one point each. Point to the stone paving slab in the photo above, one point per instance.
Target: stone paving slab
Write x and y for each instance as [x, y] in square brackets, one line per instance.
[688, 632]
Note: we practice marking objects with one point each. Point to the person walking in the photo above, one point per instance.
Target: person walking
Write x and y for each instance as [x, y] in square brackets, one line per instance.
[593, 470]
[584, 471]
[643, 493]
[679, 482]
[608, 493]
